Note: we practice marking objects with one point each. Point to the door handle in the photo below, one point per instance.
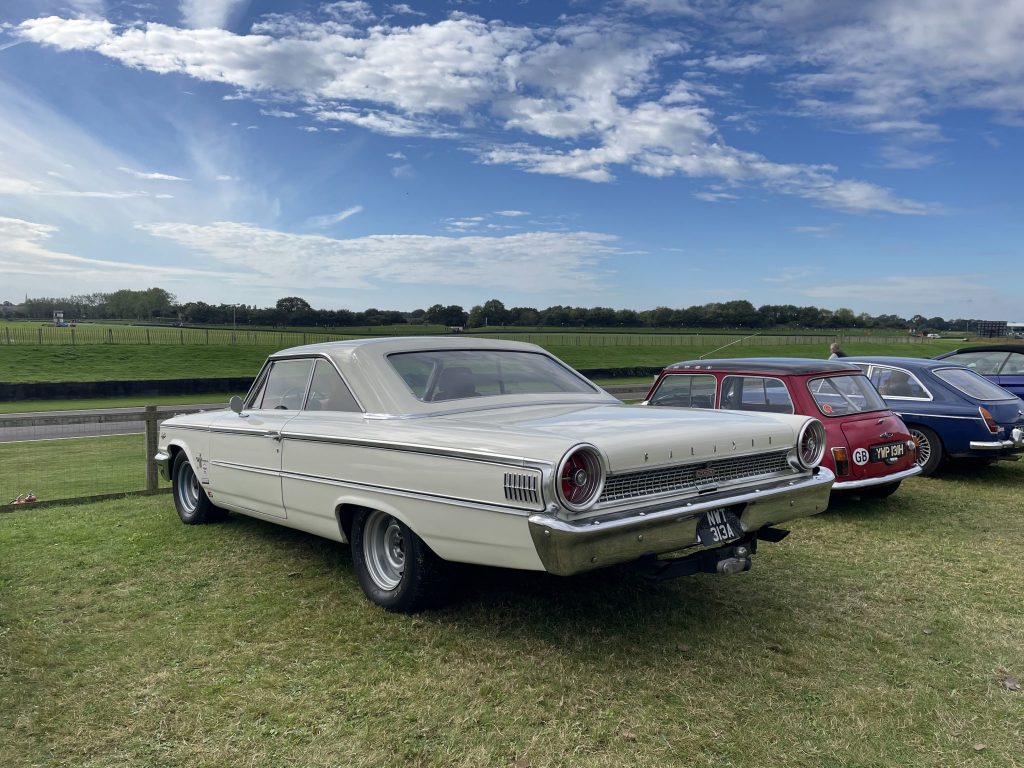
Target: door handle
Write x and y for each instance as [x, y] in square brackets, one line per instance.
[273, 435]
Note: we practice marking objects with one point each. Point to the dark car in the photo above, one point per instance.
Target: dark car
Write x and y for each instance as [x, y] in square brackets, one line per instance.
[1000, 363]
[868, 448]
[951, 410]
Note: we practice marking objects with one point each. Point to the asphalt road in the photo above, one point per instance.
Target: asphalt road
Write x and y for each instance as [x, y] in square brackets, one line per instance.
[17, 427]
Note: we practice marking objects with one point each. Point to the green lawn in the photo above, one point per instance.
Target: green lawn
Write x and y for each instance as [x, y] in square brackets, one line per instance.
[878, 634]
[98, 362]
[62, 469]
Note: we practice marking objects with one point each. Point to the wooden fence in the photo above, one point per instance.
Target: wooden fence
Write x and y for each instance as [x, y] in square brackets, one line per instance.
[142, 335]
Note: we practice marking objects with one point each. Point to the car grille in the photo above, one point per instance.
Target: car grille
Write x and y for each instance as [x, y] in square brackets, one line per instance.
[652, 482]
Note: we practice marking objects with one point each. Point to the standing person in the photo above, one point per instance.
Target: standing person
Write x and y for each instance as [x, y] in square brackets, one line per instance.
[835, 351]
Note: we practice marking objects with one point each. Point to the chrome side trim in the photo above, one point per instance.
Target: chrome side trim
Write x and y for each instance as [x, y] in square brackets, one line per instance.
[245, 468]
[901, 414]
[433, 450]
[849, 485]
[600, 400]
[468, 503]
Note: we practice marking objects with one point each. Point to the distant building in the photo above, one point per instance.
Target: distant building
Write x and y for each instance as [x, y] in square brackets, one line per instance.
[992, 328]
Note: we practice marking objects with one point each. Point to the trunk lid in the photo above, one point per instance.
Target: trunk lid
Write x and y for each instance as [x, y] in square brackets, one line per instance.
[875, 429]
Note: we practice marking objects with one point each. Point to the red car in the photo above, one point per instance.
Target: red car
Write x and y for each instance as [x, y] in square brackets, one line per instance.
[870, 449]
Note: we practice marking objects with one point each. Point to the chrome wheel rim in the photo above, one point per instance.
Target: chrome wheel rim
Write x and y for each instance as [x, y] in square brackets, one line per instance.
[187, 488]
[384, 550]
[924, 447]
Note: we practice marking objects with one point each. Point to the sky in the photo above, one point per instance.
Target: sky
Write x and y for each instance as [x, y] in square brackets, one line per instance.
[626, 153]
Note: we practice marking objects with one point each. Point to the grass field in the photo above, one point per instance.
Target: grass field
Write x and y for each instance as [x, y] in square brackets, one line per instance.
[63, 469]
[99, 362]
[878, 634]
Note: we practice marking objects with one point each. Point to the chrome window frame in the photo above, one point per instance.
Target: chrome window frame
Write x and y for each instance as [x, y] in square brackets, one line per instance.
[268, 366]
[785, 386]
[690, 375]
[909, 373]
[883, 398]
[309, 384]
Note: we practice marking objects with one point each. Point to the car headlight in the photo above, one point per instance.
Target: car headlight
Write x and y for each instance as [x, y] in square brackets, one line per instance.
[580, 478]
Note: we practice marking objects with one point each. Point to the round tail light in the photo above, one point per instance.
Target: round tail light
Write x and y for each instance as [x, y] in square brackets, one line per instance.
[580, 478]
[810, 446]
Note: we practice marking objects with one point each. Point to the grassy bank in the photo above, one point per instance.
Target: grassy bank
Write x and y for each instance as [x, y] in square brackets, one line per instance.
[878, 634]
[99, 362]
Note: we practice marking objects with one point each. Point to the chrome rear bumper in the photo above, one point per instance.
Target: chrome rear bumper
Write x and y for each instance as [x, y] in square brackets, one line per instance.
[849, 485]
[566, 547]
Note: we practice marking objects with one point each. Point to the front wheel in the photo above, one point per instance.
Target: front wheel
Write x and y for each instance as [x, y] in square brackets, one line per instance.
[395, 567]
[193, 505]
[929, 449]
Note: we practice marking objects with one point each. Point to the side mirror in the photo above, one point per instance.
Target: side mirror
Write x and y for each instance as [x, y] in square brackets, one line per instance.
[235, 404]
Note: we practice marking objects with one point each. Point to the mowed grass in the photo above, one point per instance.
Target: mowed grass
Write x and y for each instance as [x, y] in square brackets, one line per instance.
[73, 467]
[877, 634]
[117, 362]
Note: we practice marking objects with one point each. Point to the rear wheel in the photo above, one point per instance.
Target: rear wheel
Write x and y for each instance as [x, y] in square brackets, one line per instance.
[929, 449]
[395, 567]
[881, 491]
[193, 505]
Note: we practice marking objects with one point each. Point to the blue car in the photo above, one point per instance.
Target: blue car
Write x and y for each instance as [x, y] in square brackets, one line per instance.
[999, 363]
[950, 410]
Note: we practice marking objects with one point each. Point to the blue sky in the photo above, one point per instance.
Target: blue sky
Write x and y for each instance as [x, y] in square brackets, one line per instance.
[628, 153]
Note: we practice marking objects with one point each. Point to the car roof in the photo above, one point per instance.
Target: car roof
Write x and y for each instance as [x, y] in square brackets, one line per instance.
[905, 362]
[778, 365]
[388, 344]
[983, 348]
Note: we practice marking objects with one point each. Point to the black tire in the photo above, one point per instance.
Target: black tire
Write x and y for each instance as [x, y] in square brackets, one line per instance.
[929, 449]
[881, 491]
[190, 499]
[395, 567]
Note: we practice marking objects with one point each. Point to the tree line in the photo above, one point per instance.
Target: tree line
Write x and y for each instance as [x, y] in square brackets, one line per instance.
[159, 305]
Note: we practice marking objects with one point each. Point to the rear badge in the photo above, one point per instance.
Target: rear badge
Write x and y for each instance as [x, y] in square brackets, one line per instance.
[861, 457]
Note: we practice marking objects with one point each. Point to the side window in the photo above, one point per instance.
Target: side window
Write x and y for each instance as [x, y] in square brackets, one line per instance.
[328, 392]
[756, 393]
[1014, 365]
[891, 382]
[686, 391]
[285, 386]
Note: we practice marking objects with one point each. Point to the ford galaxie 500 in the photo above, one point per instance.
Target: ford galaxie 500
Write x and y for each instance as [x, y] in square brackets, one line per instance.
[426, 450]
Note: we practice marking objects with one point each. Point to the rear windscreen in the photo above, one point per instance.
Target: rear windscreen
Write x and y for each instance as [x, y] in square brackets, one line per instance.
[843, 395]
[973, 385]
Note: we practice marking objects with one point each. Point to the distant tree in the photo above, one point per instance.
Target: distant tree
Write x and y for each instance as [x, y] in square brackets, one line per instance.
[291, 304]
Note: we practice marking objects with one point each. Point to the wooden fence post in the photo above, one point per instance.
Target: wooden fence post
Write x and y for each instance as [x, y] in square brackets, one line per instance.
[152, 442]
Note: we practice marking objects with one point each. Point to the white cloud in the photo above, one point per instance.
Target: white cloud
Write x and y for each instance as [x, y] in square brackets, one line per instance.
[554, 261]
[814, 230]
[278, 113]
[24, 251]
[898, 290]
[512, 213]
[309, 128]
[149, 175]
[887, 65]
[396, 155]
[715, 197]
[404, 9]
[594, 87]
[743, 63]
[350, 10]
[322, 222]
[403, 172]
[203, 14]
[667, 7]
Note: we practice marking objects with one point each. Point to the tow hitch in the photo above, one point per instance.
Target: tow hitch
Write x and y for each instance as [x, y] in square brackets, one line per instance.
[732, 558]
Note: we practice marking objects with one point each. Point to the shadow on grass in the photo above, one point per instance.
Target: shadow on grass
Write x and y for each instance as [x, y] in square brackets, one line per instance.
[615, 603]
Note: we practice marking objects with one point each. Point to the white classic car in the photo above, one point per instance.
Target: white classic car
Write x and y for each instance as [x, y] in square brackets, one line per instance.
[421, 451]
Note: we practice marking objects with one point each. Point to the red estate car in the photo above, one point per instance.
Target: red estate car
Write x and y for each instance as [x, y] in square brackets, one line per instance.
[870, 449]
